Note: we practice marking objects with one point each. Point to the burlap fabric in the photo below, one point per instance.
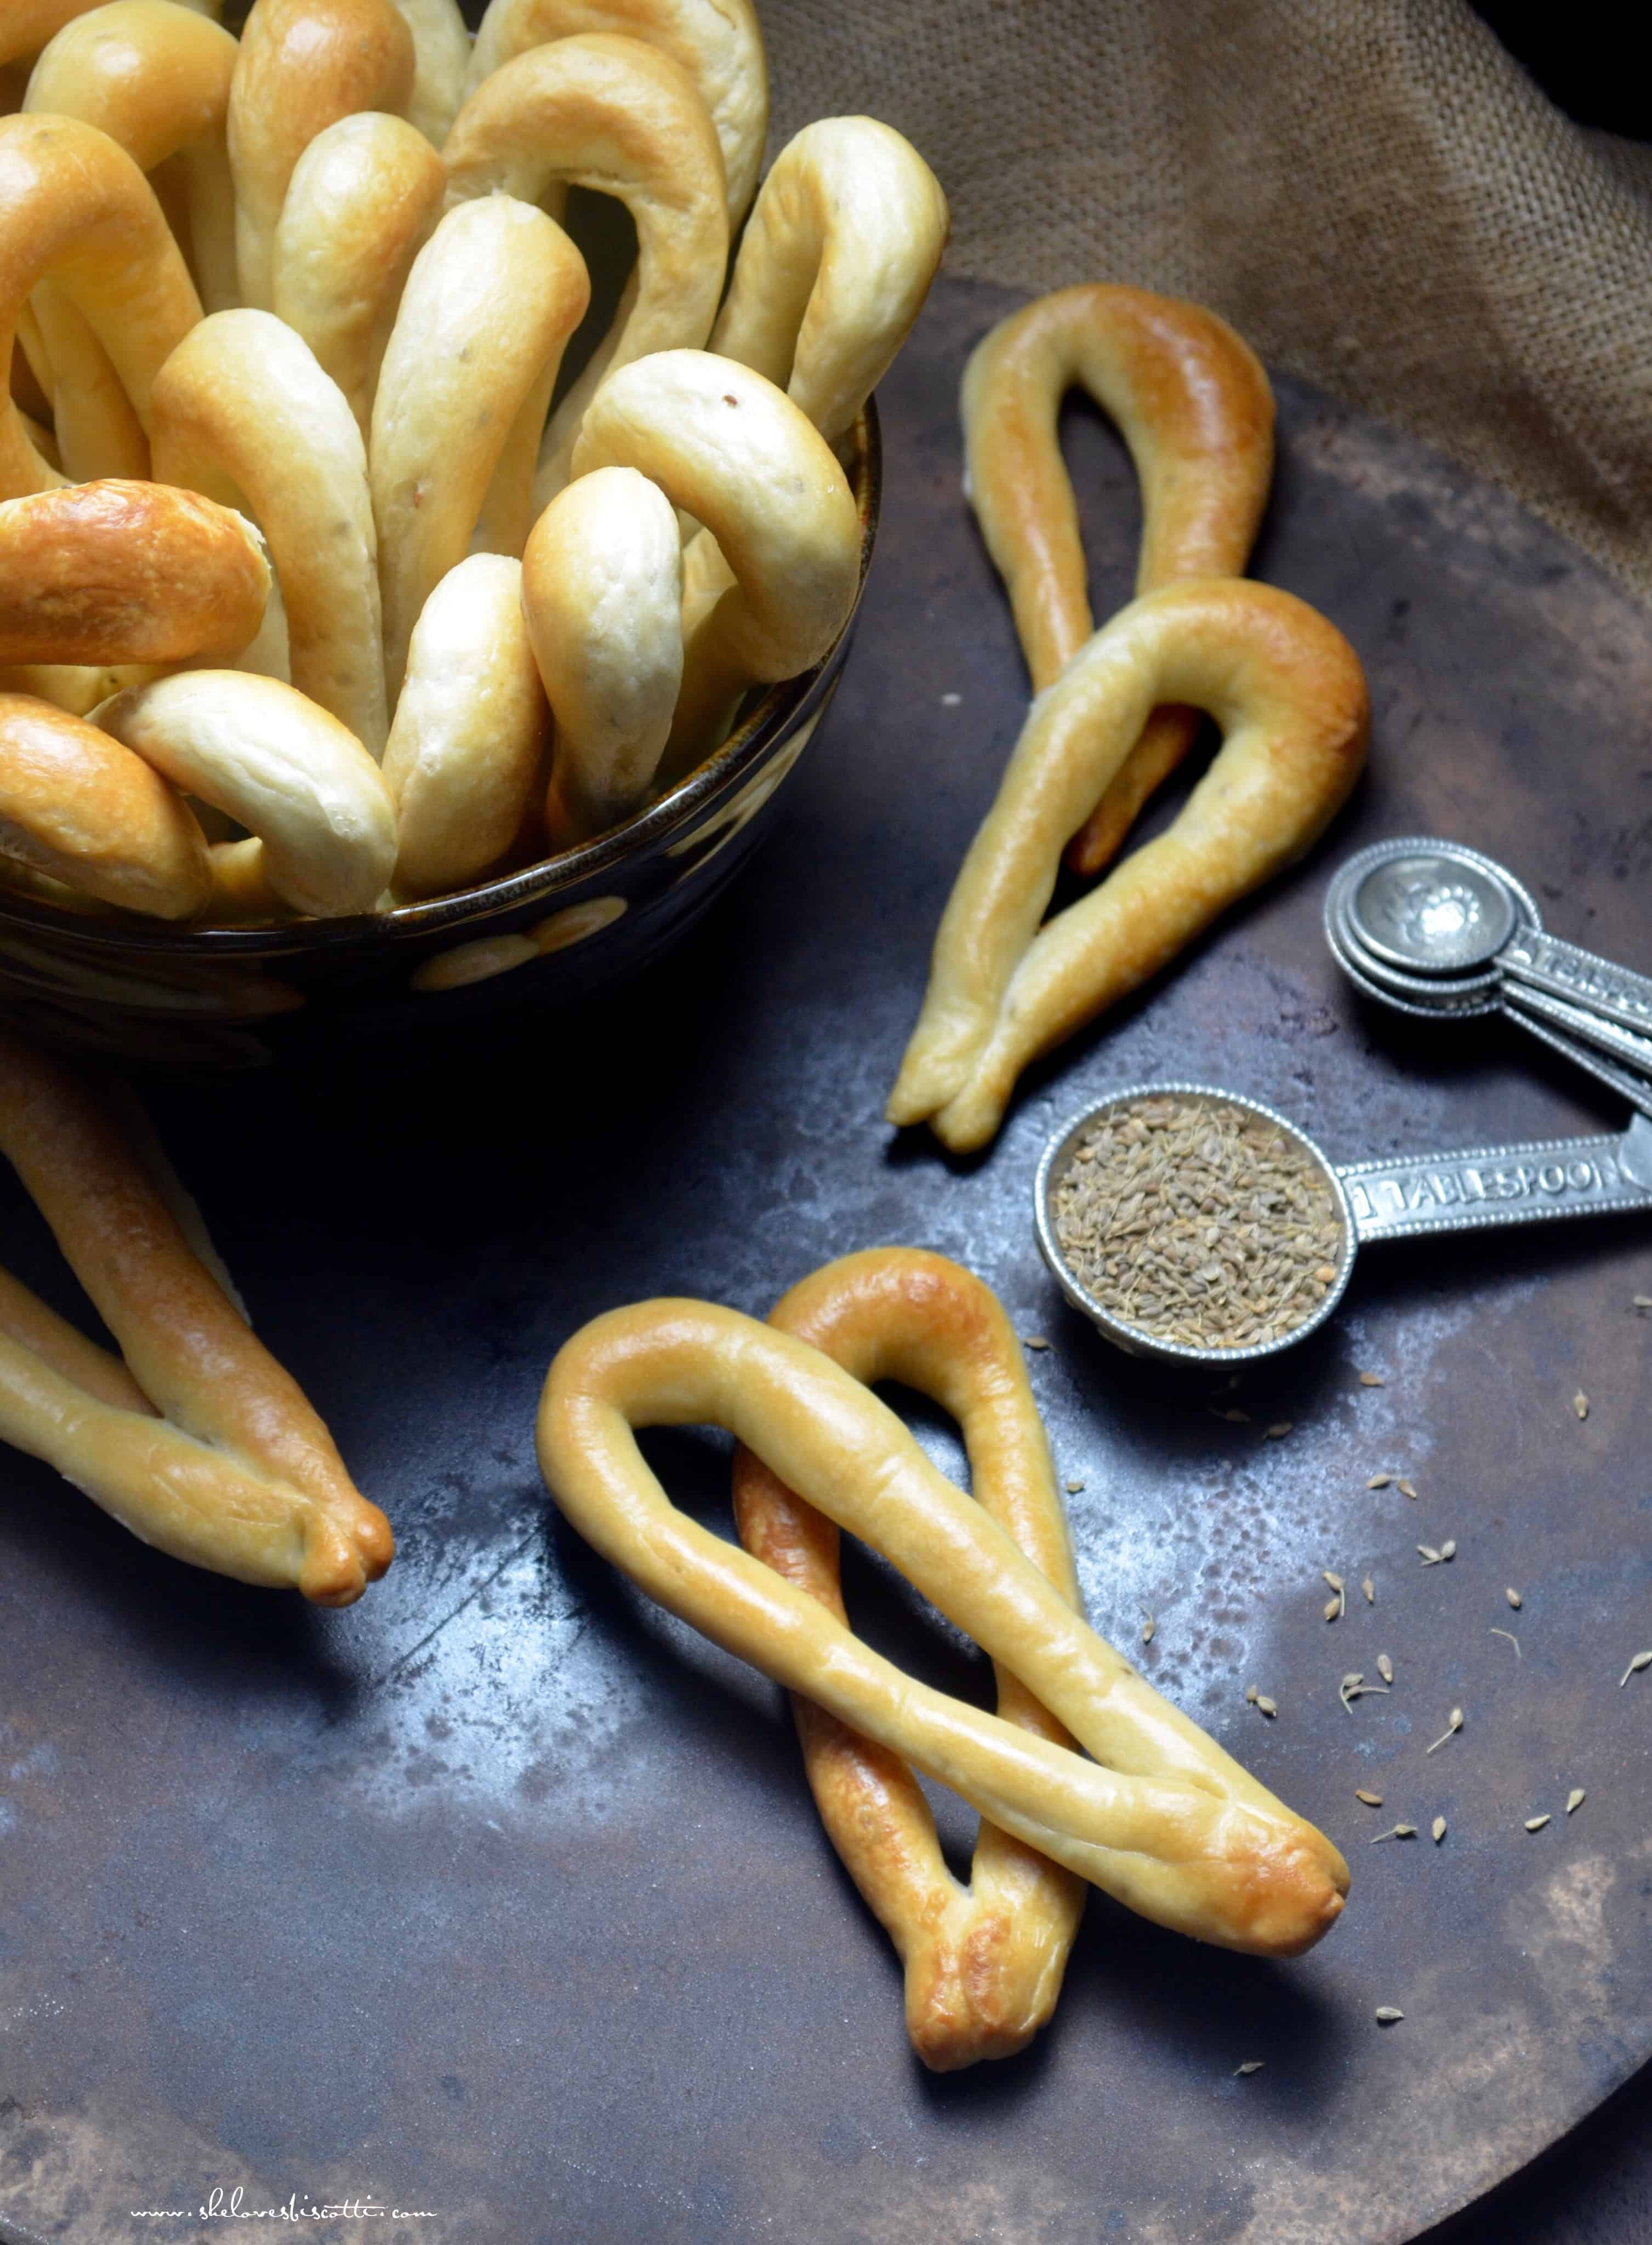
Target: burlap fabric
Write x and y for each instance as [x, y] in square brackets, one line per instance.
[1372, 191]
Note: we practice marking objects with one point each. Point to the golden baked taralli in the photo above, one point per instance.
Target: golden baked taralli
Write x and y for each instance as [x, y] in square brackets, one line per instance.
[1289, 697]
[441, 60]
[78, 807]
[620, 116]
[242, 411]
[1162, 1819]
[718, 43]
[471, 726]
[364, 199]
[302, 786]
[200, 1443]
[489, 306]
[74, 208]
[1193, 405]
[26, 26]
[118, 572]
[983, 1962]
[602, 594]
[728, 448]
[302, 64]
[833, 266]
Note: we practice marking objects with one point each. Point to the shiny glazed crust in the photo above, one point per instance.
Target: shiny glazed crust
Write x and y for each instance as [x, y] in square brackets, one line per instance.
[1162, 1819]
[984, 1963]
[114, 572]
[1192, 403]
[1289, 697]
[201, 1444]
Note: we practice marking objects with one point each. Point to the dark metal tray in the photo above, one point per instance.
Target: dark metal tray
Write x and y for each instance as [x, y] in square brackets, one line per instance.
[502, 1897]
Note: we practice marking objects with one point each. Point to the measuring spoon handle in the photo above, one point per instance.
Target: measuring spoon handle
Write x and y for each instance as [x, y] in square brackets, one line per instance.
[1479, 1187]
[1583, 978]
[1584, 1041]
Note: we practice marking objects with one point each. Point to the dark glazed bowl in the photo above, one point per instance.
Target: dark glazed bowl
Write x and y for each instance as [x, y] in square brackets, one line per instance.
[222, 997]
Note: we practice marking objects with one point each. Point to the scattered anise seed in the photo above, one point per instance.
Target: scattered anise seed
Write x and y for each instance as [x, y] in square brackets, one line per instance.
[1581, 1404]
[1326, 1576]
[1399, 1832]
[1384, 1668]
[1266, 1706]
[1370, 1588]
[1250, 1695]
[1452, 1728]
[1280, 1427]
[1387, 2016]
[1536, 1823]
[1233, 1418]
[1379, 1481]
[1640, 1301]
[1640, 1660]
[1333, 1607]
[1073, 1487]
[1370, 1799]
[1438, 1828]
[1407, 1489]
[1431, 1557]
[1250, 2065]
[1034, 1340]
[1514, 1599]
[1575, 1799]
[1448, 1548]
[1510, 1635]
[1373, 1379]
[1147, 1629]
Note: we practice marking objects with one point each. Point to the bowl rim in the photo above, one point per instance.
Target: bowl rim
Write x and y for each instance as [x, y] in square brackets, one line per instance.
[539, 883]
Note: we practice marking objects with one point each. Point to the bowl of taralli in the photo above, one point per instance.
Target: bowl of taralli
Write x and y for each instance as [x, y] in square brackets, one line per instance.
[388, 632]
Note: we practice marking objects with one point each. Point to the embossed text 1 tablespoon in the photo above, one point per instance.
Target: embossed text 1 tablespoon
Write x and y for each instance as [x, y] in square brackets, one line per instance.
[1473, 1189]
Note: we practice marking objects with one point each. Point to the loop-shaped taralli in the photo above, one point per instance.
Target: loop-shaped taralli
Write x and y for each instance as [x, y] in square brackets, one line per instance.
[602, 594]
[118, 572]
[281, 766]
[155, 76]
[75, 209]
[26, 26]
[984, 1963]
[1193, 405]
[1289, 697]
[242, 411]
[614, 114]
[728, 447]
[303, 65]
[77, 806]
[364, 199]
[441, 60]
[200, 1443]
[1162, 1819]
[833, 266]
[471, 728]
[489, 306]
[718, 43]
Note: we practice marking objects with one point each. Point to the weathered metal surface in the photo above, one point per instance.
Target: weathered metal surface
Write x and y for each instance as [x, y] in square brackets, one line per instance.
[500, 1895]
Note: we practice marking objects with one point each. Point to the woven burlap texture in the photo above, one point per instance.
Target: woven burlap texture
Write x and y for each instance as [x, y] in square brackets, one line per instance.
[1372, 191]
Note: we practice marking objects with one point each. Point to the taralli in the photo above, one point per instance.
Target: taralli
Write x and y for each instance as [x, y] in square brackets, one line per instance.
[489, 306]
[242, 411]
[155, 77]
[364, 199]
[303, 65]
[1288, 693]
[614, 114]
[602, 594]
[74, 208]
[1161, 1818]
[302, 785]
[728, 447]
[441, 60]
[26, 26]
[200, 1443]
[118, 572]
[471, 726]
[1193, 404]
[78, 807]
[984, 1963]
[718, 43]
[835, 264]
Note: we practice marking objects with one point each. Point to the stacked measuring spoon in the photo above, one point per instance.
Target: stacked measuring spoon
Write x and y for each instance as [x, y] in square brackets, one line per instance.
[1433, 927]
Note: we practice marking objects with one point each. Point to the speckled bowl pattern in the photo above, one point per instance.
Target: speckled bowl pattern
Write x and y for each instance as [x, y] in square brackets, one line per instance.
[226, 998]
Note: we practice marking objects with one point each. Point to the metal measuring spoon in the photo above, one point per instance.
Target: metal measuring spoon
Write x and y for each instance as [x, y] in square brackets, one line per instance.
[1432, 928]
[1473, 1189]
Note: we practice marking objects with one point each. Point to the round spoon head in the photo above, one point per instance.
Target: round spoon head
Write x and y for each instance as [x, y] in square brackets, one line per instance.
[1433, 911]
[1059, 1161]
